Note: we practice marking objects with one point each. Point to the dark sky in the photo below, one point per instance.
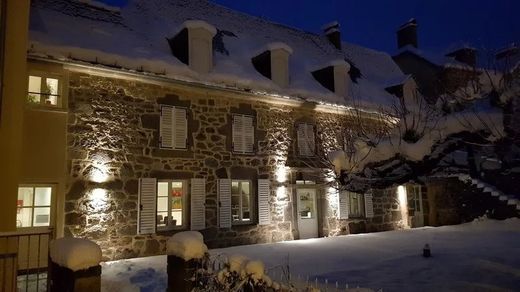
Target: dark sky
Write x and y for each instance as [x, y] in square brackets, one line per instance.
[488, 24]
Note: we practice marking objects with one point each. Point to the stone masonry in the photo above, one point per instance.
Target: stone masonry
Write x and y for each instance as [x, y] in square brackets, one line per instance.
[113, 133]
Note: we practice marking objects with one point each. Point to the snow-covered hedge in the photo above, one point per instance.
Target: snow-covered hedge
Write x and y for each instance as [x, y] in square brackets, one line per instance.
[75, 253]
[187, 245]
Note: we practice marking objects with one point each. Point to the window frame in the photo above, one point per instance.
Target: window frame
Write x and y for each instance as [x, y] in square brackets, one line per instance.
[241, 220]
[60, 97]
[253, 125]
[360, 205]
[184, 209]
[33, 207]
[299, 143]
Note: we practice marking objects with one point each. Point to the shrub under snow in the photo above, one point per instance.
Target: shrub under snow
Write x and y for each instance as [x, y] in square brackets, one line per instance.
[187, 245]
[75, 253]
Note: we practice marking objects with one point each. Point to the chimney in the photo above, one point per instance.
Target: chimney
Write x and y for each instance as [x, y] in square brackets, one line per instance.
[333, 33]
[407, 34]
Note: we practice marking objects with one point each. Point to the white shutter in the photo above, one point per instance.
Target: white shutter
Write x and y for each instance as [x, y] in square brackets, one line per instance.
[238, 134]
[224, 203]
[264, 217]
[343, 204]
[166, 127]
[198, 199]
[311, 140]
[180, 128]
[249, 134]
[369, 205]
[300, 135]
[146, 214]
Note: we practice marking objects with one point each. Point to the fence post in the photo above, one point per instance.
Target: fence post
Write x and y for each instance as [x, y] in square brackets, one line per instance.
[180, 273]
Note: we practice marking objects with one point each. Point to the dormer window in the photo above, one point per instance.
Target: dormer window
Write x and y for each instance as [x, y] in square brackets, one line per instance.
[193, 45]
[335, 77]
[273, 63]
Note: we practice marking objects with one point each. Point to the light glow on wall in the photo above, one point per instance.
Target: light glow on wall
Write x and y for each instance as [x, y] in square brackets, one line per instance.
[99, 198]
[281, 173]
[281, 193]
[99, 172]
[403, 204]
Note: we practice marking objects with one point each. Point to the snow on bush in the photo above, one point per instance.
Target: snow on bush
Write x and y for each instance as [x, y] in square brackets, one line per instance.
[75, 253]
[187, 245]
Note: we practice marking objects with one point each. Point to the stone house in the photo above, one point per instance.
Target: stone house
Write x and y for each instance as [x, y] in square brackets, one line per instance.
[165, 116]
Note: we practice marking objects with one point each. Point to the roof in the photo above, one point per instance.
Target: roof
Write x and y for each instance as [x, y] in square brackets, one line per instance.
[134, 38]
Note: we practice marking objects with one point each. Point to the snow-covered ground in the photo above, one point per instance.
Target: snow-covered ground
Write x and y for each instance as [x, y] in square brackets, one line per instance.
[477, 256]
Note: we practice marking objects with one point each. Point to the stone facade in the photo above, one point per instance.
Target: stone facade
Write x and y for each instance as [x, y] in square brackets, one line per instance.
[113, 140]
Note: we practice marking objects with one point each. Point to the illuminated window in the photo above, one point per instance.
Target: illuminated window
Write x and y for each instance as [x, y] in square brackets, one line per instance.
[356, 205]
[44, 91]
[241, 201]
[171, 204]
[34, 206]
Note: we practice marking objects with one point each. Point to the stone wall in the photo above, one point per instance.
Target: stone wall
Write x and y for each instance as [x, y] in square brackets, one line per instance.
[113, 139]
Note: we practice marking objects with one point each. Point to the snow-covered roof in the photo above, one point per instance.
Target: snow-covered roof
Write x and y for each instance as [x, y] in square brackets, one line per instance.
[134, 38]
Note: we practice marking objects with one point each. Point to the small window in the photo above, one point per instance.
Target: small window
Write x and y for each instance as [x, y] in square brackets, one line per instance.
[306, 139]
[356, 206]
[171, 205]
[34, 206]
[241, 209]
[174, 128]
[44, 91]
[243, 134]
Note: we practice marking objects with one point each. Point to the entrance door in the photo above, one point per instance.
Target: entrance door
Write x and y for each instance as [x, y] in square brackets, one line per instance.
[307, 215]
[415, 205]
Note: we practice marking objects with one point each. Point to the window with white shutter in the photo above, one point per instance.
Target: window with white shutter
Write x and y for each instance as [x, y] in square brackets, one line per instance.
[355, 205]
[264, 217]
[343, 205]
[243, 134]
[146, 213]
[173, 127]
[369, 205]
[224, 203]
[306, 139]
[198, 200]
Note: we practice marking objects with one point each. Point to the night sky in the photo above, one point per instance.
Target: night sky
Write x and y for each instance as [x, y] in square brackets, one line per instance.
[443, 24]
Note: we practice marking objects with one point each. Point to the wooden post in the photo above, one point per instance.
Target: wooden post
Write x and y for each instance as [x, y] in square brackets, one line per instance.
[180, 273]
[64, 279]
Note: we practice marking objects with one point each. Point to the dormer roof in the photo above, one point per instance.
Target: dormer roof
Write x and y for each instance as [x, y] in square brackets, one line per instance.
[135, 38]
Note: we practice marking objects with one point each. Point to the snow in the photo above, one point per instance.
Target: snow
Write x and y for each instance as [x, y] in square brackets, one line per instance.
[187, 245]
[75, 253]
[142, 27]
[255, 269]
[477, 256]
[200, 24]
[279, 45]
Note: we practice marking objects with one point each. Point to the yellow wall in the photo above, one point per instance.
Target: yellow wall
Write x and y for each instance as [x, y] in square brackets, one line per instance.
[11, 123]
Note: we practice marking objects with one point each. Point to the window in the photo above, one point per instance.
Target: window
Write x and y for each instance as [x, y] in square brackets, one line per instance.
[306, 139]
[171, 204]
[241, 201]
[414, 198]
[44, 91]
[356, 205]
[243, 134]
[34, 206]
[174, 128]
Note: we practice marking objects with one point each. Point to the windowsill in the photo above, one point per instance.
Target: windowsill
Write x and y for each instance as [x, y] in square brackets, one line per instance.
[38, 107]
[233, 224]
[171, 231]
[244, 153]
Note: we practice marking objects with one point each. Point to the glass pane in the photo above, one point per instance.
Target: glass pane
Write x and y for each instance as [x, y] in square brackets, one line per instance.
[235, 214]
[52, 86]
[234, 187]
[25, 197]
[306, 208]
[51, 100]
[42, 196]
[162, 204]
[235, 201]
[245, 201]
[162, 218]
[24, 217]
[246, 216]
[42, 216]
[245, 188]
[162, 189]
[176, 218]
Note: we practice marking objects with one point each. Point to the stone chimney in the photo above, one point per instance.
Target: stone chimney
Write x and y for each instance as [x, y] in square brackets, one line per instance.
[407, 34]
[333, 33]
